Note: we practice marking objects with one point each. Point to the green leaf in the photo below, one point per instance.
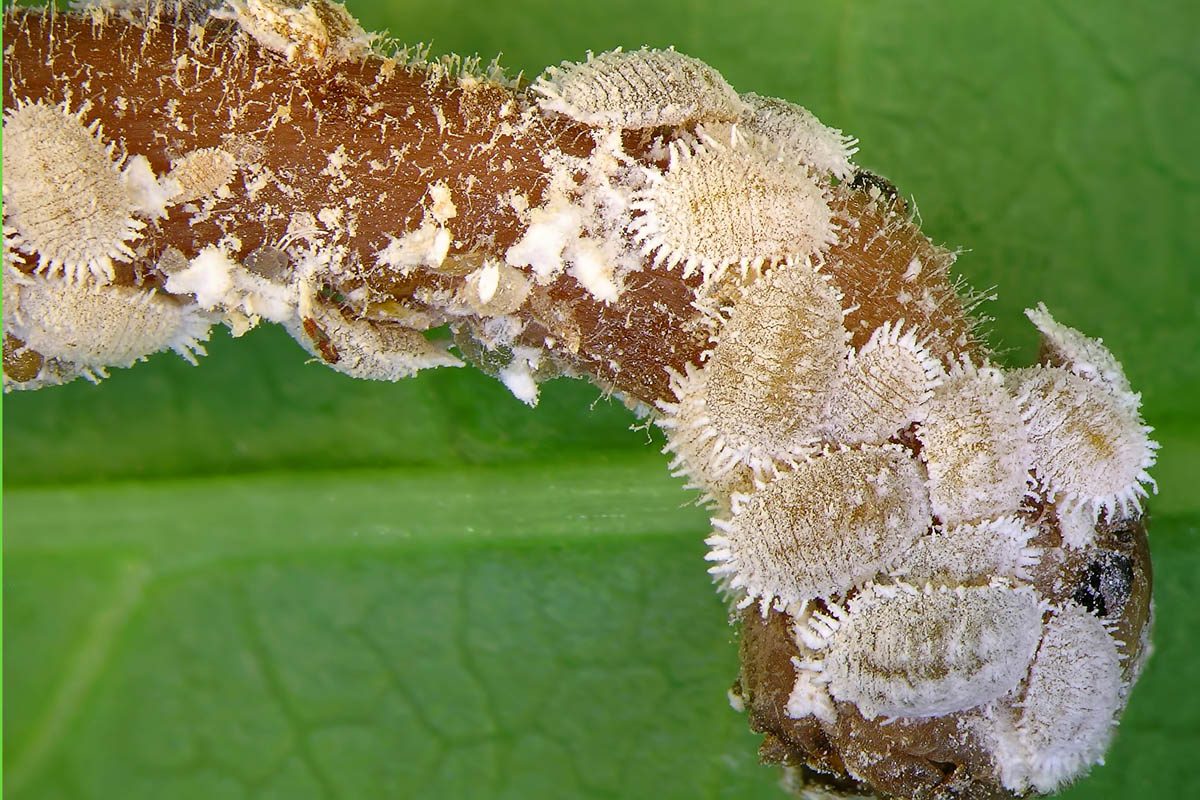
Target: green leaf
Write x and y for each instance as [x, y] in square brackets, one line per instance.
[257, 578]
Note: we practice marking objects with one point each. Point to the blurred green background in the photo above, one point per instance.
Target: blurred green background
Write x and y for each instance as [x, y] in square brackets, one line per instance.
[257, 578]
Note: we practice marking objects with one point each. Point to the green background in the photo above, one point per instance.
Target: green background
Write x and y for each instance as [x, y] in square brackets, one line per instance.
[257, 578]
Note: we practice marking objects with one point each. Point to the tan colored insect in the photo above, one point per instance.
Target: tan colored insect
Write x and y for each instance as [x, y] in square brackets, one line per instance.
[639, 89]
[65, 198]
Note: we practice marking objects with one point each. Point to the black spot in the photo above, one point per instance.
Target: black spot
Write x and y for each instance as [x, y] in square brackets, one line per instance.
[1105, 584]
[868, 180]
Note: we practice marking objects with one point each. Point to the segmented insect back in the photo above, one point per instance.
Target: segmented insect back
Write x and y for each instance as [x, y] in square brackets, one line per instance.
[64, 196]
[639, 89]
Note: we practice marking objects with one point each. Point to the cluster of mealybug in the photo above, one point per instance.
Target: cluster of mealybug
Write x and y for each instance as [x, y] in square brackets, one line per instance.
[892, 558]
[724, 192]
[940, 547]
[70, 207]
[885, 498]
[77, 209]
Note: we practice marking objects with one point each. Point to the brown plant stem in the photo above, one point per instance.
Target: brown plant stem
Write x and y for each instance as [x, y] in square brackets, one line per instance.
[363, 140]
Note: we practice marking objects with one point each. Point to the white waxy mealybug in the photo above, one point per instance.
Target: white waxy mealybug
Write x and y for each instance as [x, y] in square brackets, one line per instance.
[202, 173]
[305, 31]
[900, 651]
[1091, 449]
[719, 206]
[821, 527]
[1083, 355]
[888, 385]
[796, 131]
[94, 326]
[974, 444]
[641, 89]
[1065, 720]
[970, 553]
[65, 198]
[765, 384]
